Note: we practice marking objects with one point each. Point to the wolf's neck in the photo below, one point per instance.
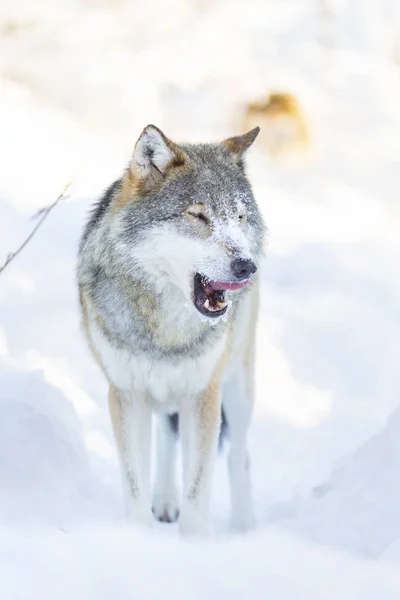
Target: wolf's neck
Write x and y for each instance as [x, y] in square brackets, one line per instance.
[167, 322]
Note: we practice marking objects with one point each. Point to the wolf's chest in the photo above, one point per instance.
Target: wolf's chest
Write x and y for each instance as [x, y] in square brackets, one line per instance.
[163, 383]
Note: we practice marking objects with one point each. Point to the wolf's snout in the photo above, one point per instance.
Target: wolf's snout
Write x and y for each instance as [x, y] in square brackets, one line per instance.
[242, 268]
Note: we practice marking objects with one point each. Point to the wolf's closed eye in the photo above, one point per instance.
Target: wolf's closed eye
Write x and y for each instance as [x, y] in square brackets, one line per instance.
[200, 216]
[196, 211]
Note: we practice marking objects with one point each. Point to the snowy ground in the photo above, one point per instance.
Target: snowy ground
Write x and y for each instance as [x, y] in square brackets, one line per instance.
[79, 80]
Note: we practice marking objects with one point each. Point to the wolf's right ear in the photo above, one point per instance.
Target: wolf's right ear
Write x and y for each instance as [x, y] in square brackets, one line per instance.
[154, 155]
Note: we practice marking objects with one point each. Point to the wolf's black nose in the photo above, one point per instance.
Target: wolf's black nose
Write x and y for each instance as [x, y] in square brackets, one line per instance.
[242, 268]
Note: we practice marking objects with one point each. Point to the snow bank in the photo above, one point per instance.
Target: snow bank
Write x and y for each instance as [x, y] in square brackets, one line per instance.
[359, 507]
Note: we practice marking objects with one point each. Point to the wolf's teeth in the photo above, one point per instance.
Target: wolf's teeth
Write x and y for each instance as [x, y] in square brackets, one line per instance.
[207, 304]
[218, 307]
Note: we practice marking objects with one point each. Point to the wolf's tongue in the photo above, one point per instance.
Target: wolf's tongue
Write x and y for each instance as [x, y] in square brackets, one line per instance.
[222, 285]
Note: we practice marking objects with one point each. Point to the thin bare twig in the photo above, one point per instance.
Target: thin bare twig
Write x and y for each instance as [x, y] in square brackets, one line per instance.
[44, 212]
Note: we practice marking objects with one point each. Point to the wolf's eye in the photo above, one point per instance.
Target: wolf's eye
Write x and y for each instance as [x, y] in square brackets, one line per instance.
[241, 218]
[200, 217]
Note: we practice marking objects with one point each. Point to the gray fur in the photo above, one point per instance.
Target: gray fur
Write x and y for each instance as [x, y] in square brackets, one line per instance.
[119, 288]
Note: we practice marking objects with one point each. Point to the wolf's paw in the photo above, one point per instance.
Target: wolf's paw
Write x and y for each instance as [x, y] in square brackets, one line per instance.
[165, 507]
[192, 523]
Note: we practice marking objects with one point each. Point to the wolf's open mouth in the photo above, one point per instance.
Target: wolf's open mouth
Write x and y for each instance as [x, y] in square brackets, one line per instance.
[209, 296]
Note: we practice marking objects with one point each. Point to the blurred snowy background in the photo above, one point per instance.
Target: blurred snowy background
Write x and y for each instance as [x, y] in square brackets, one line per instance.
[79, 81]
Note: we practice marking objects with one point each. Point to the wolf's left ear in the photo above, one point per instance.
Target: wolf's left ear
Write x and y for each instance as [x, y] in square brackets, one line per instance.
[240, 143]
[154, 155]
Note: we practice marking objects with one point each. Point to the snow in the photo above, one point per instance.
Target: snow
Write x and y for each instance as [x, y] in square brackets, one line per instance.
[116, 562]
[79, 82]
[359, 491]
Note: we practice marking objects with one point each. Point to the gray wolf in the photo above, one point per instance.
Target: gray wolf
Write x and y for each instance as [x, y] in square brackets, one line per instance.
[168, 294]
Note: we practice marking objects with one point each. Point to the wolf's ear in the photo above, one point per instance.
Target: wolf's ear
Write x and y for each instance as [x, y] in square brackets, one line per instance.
[154, 155]
[240, 143]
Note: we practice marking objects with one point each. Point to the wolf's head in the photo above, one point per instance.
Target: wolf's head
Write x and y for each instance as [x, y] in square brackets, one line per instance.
[188, 217]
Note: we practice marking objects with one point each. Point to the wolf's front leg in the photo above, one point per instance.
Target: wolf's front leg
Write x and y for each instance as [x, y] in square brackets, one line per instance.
[165, 494]
[131, 419]
[238, 404]
[200, 424]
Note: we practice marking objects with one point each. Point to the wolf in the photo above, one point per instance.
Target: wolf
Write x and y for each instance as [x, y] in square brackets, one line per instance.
[168, 295]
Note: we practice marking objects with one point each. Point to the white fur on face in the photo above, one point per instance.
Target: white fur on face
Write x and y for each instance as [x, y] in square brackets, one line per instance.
[166, 256]
[229, 233]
